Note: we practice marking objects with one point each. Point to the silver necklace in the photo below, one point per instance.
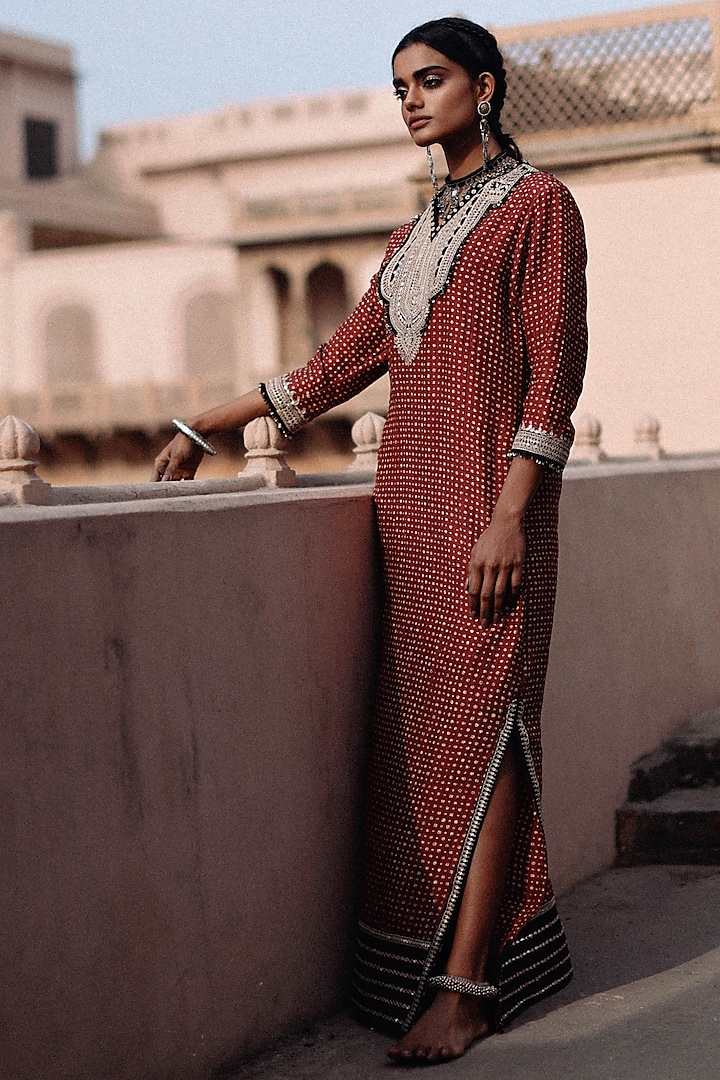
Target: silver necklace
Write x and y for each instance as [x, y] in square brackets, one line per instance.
[456, 192]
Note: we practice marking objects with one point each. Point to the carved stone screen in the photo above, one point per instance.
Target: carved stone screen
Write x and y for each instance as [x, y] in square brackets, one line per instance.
[650, 71]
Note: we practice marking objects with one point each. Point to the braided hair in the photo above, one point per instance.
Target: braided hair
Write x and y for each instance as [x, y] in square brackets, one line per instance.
[474, 48]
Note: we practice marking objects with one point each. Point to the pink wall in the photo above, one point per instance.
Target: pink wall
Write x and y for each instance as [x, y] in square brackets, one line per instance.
[184, 705]
[636, 644]
[185, 690]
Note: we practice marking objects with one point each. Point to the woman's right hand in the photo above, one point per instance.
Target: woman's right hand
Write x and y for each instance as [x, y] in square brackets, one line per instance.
[181, 457]
[179, 460]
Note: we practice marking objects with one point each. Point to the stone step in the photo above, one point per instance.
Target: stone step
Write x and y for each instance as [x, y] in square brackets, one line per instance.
[680, 826]
[690, 759]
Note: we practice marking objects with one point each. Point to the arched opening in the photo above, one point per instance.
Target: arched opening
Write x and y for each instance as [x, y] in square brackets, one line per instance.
[70, 345]
[209, 336]
[327, 301]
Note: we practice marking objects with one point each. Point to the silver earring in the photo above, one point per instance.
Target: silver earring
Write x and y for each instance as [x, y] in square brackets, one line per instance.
[431, 166]
[484, 109]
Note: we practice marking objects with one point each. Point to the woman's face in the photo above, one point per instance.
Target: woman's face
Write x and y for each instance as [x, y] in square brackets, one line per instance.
[439, 98]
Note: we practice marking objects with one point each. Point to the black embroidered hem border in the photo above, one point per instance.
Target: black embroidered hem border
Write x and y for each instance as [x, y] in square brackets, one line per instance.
[274, 416]
[534, 965]
[394, 994]
[388, 972]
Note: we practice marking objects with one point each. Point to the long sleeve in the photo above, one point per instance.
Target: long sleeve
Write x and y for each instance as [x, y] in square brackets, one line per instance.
[355, 356]
[552, 308]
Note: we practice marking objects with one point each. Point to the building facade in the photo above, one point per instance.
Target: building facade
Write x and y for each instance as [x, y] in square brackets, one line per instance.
[196, 255]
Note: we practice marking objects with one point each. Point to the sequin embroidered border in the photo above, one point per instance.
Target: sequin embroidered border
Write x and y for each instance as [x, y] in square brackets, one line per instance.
[513, 723]
[542, 447]
[284, 409]
[392, 972]
[535, 964]
[421, 269]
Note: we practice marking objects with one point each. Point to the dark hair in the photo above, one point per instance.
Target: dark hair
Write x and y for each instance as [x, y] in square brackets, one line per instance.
[474, 48]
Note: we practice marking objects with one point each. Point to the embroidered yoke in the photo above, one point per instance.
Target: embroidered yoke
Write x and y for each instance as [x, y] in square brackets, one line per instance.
[480, 321]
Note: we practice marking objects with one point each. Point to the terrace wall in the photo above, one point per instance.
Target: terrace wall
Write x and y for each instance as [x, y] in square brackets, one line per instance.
[186, 688]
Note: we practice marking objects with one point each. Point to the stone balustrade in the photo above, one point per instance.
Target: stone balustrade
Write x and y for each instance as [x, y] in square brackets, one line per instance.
[588, 449]
[366, 434]
[266, 449]
[186, 689]
[587, 446]
[647, 438]
[267, 467]
[19, 447]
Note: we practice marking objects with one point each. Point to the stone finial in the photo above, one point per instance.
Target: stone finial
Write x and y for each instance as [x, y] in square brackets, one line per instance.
[647, 437]
[588, 440]
[266, 449]
[19, 445]
[366, 434]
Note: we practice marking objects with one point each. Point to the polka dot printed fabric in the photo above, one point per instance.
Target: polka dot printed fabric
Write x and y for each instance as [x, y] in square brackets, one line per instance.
[504, 349]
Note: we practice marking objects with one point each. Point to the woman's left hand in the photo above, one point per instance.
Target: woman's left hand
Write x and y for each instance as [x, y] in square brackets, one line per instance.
[495, 570]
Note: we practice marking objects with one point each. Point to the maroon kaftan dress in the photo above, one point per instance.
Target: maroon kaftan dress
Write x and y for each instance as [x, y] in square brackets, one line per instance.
[481, 324]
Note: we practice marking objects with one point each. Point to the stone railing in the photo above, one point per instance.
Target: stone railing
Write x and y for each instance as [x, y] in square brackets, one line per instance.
[19, 483]
[187, 684]
[267, 467]
[587, 448]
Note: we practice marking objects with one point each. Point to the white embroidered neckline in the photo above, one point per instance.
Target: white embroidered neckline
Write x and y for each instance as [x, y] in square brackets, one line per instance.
[421, 269]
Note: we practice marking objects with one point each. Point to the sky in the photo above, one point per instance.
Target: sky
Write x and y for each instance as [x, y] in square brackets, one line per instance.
[148, 58]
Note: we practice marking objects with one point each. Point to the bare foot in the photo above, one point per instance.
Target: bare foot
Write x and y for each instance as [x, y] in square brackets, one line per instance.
[444, 1031]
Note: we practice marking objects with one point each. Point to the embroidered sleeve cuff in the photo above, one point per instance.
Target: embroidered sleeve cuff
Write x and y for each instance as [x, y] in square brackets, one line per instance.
[545, 449]
[283, 407]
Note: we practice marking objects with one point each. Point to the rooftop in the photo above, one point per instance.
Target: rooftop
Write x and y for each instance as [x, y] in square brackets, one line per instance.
[35, 52]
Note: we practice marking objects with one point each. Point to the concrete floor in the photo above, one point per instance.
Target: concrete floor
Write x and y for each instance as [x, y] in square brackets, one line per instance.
[644, 1003]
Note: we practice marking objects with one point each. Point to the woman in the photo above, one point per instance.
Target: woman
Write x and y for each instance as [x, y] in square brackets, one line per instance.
[478, 313]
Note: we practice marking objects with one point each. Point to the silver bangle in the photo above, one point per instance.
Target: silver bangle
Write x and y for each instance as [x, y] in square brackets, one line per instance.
[195, 437]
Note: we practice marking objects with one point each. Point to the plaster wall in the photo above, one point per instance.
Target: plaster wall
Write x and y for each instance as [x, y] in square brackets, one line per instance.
[136, 293]
[635, 644]
[193, 205]
[186, 688]
[653, 287]
[356, 167]
[281, 126]
[320, 189]
[184, 704]
[7, 335]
